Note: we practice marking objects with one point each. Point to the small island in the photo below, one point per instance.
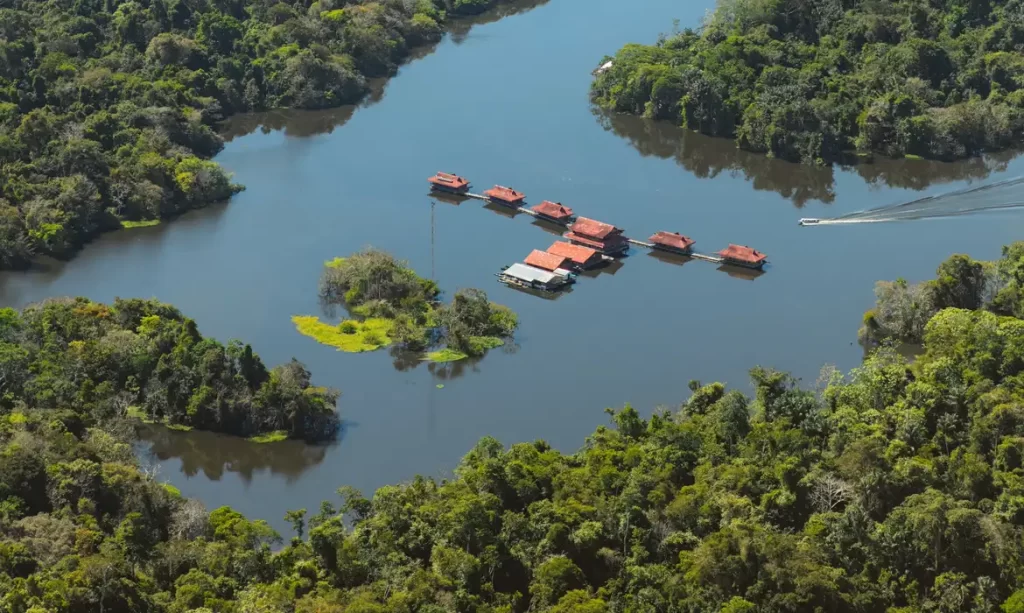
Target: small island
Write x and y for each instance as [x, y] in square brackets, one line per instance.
[817, 82]
[390, 304]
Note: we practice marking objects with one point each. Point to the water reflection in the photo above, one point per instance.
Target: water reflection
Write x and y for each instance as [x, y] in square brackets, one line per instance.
[739, 272]
[214, 454]
[707, 157]
[669, 258]
[300, 123]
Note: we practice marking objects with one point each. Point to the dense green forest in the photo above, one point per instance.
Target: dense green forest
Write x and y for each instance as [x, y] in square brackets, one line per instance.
[93, 364]
[107, 108]
[812, 80]
[903, 309]
[897, 488]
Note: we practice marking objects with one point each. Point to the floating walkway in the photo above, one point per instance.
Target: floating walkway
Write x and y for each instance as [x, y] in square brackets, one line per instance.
[601, 242]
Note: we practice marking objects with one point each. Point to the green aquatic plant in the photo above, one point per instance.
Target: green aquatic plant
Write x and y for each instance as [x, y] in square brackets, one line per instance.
[442, 356]
[147, 223]
[270, 437]
[350, 336]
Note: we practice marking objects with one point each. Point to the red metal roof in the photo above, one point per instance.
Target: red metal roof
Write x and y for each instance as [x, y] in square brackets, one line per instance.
[554, 210]
[594, 229]
[505, 194]
[674, 240]
[547, 261]
[448, 180]
[743, 253]
[579, 255]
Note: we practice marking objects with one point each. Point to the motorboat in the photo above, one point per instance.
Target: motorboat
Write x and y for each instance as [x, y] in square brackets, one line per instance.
[809, 221]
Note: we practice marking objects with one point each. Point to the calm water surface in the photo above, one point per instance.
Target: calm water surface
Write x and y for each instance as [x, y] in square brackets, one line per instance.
[506, 102]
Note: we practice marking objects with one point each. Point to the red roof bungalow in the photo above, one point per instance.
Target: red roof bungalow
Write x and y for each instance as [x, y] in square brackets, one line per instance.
[741, 255]
[447, 182]
[672, 241]
[553, 211]
[582, 257]
[548, 261]
[507, 196]
[602, 237]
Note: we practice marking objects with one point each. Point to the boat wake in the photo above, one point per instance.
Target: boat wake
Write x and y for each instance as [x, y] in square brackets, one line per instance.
[998, 196]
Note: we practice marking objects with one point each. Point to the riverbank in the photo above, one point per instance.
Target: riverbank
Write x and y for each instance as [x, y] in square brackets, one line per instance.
[729, 503]
[143, 153]
[812, 86]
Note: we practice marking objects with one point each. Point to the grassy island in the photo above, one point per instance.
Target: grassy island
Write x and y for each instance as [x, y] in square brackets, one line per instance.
[144, 360]
[814, 81]
[895, 488]
[108, 109]
[392, 305]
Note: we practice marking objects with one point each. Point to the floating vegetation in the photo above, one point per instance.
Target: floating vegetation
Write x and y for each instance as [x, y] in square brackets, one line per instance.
[178, 427]
[445, 355]
[350, 335]
[391, 304]
[145, 223]
[270, 437]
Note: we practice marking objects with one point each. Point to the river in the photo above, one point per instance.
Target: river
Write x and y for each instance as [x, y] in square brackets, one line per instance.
[505, 101]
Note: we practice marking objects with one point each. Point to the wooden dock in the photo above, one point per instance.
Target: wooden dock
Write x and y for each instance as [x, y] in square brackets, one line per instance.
[518, 209]
[714, 259]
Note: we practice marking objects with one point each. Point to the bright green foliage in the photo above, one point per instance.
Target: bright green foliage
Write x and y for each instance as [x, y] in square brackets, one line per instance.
[402, 307]
[350, 335]
[108, 109]
[896, 488]
[903, 309]
[812, 80]
[143, 358]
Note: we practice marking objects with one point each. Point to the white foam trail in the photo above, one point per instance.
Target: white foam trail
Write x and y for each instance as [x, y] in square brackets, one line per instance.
[1001, 195]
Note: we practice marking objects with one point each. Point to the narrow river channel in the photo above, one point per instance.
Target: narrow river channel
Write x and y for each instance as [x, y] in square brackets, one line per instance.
[505, 101]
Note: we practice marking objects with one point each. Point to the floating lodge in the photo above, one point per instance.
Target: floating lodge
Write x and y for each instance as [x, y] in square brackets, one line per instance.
[592, 242]
[599, 236]
[741, 255]
[499, 194]
[549, 261]
[554, 212]
[673, 242]
[582, 258]
[447, 182]
[530, 277]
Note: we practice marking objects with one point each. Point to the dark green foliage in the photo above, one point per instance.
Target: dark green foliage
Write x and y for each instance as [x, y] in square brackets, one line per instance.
[898, 488]
[471, 319]
[138, 356]
[812, 79]
[108, 109]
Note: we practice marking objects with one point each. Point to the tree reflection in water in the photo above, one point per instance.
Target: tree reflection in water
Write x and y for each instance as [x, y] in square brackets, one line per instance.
[707, 157]
[214, 454]
[304, 123]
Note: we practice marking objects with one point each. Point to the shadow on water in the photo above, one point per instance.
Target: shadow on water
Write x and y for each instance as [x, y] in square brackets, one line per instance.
[669, 258]
[550, 227]
[304, 123]
[707, 157]
[214, 454]
[739, 272]
[610, 267]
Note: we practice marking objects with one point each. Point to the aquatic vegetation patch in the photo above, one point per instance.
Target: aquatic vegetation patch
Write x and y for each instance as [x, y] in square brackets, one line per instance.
[145, 223]
[442, 356]
[350, 335]
[270, 437]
